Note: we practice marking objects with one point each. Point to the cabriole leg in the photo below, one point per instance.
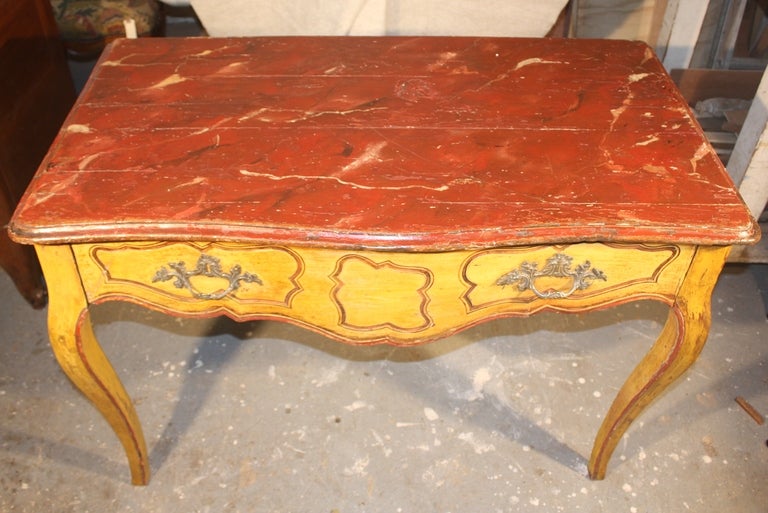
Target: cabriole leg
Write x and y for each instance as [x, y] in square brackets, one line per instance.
[82, 359]
[677, 347]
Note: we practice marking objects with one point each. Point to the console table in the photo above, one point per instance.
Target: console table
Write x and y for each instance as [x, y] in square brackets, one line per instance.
[380, 190]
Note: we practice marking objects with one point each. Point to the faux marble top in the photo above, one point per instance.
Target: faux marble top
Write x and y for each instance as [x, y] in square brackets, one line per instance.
[386, 143]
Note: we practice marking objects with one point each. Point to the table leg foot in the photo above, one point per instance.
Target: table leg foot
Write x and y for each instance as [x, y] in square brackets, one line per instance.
[83, 360]
[678, 346]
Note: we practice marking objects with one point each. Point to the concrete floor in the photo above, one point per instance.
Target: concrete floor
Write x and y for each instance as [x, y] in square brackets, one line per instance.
[267, 417]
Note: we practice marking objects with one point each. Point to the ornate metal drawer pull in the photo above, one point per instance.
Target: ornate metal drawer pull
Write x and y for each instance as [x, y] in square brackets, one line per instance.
[559, 266]
[206, 266]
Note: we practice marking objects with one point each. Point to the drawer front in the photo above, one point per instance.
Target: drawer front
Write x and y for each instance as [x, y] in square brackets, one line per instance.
[372, 296]
[192, 276]
[566, 276]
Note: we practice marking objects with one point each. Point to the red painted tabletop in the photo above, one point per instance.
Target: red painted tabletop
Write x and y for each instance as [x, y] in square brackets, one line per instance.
[386, 143]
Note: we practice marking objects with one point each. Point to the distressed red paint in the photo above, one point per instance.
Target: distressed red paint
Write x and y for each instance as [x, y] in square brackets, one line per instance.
[383, 143]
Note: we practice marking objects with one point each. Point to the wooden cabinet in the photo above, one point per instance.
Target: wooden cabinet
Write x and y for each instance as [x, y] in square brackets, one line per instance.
[36, 92]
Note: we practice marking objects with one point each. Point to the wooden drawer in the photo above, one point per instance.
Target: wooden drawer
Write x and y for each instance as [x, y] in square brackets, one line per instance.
[192, 276]
[570, 276]
[374, 296]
